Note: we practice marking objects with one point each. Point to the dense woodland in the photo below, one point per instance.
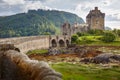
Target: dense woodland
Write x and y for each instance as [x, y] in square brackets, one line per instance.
[40, 22]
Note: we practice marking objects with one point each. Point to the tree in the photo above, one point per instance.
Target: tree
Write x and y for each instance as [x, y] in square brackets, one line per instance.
[46, 33]
[74, 38]
[96, 32]
[117, 32]
[11, 33]
[108, 37]
[80, 34]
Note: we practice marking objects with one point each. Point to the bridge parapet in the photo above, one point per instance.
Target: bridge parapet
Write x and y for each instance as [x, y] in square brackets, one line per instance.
[19, 40]
[28, 43]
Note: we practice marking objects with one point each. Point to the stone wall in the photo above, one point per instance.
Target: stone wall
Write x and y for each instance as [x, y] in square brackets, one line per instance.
[36, 42]
[28, 43]
[40, 43]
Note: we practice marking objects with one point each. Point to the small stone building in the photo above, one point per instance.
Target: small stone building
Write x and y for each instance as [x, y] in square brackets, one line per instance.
[95, 19]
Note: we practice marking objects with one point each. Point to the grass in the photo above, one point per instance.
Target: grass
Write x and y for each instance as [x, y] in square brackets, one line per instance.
[100, 43]
[95, 40]
[86, 72]
[38, 51]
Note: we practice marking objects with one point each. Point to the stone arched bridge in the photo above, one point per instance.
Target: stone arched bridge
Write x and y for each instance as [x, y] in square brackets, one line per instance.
[37, 42]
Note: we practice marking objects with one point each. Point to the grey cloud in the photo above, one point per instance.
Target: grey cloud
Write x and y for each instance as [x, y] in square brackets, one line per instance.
[65, 4]
[1, 1]
[112, 18]
[58, 4]
[7, 9]
[37, 0]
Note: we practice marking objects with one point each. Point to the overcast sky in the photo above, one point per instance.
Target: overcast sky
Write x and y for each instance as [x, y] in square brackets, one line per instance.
[80, 7]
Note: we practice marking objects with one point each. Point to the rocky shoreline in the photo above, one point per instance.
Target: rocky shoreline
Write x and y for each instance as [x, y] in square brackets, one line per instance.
[81, 54]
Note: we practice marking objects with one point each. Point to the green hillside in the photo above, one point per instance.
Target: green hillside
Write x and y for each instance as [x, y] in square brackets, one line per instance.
[34, 22]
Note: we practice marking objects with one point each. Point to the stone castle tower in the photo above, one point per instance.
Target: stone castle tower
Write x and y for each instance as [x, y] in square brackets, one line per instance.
[95, 19]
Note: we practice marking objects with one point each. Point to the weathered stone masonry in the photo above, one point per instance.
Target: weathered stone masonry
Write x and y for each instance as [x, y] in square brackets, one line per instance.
[37, 42]
[95, 19]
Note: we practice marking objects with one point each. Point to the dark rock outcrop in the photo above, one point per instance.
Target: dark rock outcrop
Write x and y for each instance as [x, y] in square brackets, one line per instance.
[103, 58]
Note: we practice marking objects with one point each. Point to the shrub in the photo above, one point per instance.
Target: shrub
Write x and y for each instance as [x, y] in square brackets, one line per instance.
[82, 34]
[108, 37]
[95, 32]
[79, 34]
[74, 38]
[117, 32]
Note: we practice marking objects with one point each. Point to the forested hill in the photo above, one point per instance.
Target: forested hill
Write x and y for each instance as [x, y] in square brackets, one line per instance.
[34, 22]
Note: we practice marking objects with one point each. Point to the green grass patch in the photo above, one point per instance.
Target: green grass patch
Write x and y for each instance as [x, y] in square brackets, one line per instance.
[86, 72]
[100, 43]
[38, 51]
[115, 43]
[95, 40]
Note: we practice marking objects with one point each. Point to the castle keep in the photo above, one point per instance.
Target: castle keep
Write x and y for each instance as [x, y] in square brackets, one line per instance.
[95, 19]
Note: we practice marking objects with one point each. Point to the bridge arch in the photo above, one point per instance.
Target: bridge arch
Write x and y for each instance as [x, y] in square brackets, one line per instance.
[54, 43]
[61, 43]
